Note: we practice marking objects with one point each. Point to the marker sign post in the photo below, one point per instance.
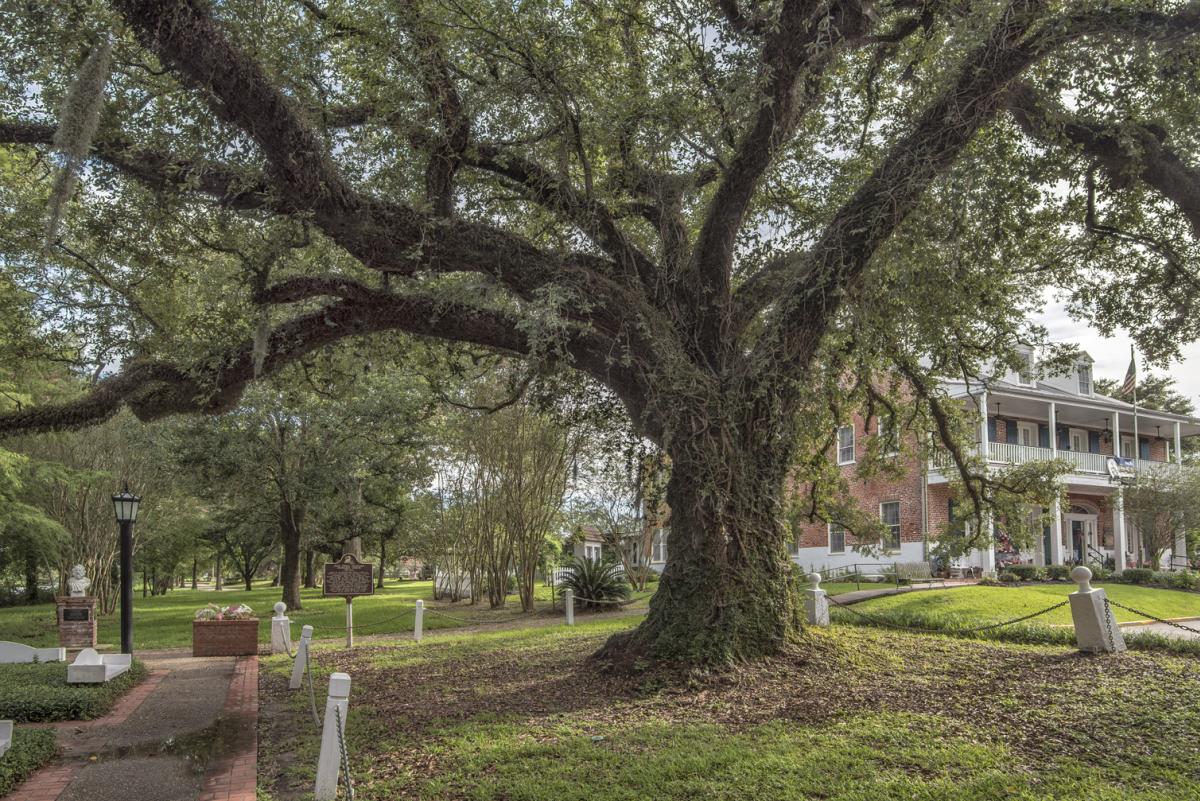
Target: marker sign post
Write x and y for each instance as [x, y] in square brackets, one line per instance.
[348, 578]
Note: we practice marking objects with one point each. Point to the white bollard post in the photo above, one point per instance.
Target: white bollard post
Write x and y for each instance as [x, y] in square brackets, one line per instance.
[816, 604]
[569, 606]
[349, 621]
[419, 621]
[281, 630]
[1096, 628]
[301, 658]
[6, 735]
[330, 761]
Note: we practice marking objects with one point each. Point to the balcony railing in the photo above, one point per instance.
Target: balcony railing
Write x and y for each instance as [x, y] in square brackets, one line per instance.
[1008, 453]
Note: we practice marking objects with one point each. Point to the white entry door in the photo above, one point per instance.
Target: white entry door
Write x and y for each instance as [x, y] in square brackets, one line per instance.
[1080, 532]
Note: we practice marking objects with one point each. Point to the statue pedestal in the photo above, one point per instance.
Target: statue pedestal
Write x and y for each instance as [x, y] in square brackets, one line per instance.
[76, 621]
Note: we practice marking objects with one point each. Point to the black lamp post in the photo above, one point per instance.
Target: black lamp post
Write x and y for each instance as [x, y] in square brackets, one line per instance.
[126, 506]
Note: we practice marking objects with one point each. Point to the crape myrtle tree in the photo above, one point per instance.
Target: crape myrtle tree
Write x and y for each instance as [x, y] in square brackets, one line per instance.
[717, 210]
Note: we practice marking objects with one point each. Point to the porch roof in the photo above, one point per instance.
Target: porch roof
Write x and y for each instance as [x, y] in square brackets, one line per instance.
[1089, 411]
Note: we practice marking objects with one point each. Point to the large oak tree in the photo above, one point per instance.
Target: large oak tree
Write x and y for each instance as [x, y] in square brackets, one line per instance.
[735, 216]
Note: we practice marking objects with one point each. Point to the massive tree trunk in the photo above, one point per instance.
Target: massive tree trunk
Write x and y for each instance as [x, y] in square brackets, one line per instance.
[728, 592]
[290, 520]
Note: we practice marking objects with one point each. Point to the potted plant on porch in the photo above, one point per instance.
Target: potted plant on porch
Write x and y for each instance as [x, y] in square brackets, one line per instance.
[225, 631]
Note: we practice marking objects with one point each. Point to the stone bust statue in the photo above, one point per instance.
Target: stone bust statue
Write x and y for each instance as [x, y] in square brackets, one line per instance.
[78, 583]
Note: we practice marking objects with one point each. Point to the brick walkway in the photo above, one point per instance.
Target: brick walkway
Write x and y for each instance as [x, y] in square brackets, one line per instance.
[235, 776]
[49, 782]
[230, 777]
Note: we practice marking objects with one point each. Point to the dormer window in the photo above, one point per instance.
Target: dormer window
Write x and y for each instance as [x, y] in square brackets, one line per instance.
[1085, 379]
[1025, 373]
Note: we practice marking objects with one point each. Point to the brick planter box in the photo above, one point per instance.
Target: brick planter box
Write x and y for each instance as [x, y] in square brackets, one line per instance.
[225, 637]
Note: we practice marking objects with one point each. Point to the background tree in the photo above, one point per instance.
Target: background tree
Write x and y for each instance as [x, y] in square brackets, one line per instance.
[1164, 507]
[717, 211]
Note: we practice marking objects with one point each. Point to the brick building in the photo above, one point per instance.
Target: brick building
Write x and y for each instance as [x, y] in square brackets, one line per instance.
[1017, 412]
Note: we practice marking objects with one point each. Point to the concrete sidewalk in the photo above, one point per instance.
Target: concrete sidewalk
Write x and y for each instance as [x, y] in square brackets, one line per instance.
[188, 733]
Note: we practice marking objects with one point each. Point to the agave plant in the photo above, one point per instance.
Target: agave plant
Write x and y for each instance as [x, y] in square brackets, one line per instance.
[597, 584]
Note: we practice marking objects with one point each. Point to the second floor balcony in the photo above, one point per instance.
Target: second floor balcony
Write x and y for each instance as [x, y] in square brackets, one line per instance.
[1007, 453]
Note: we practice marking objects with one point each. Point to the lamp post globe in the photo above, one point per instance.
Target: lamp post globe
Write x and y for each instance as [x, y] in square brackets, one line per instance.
[125, 506]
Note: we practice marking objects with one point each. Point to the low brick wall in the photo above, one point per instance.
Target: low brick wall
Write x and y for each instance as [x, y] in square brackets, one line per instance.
[225, 637]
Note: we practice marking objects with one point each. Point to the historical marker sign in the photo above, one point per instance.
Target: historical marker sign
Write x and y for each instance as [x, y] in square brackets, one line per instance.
[349, 577]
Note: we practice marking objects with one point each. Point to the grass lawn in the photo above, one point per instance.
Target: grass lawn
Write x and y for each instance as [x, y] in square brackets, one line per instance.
[38, 693]
[165, 621]
[968, 606]
[855, 714]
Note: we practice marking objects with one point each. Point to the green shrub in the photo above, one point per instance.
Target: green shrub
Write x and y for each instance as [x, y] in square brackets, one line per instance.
[1137, 575]
[1100, 573]
[1026, 572]
[1058, 572]
[31, 748]
[1183, 580]
[598, 581]
[1008, 577]
[37, 693]
[652, 577]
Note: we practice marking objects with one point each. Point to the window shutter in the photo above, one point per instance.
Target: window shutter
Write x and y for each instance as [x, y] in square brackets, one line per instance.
[1143, 448]
[1094, 441]
[1043, 435]
[1064, 439]
[991, 429]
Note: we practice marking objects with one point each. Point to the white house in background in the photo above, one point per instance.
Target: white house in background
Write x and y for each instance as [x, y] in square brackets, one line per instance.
[586, 542]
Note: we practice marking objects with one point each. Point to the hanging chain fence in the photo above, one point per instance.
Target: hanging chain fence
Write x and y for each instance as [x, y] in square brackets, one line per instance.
[880, 621]
[312, 695]
[470, 622]
[1155, 618]
[341, 735]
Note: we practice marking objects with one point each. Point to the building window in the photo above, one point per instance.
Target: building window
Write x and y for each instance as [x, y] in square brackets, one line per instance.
[889, 439]
[1085, 380]
[837, 538]
[845, 437]
[889, 515]
[658, 546]
[592, 552]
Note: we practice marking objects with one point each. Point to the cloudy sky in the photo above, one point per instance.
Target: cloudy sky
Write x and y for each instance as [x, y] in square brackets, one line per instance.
[1112, 353]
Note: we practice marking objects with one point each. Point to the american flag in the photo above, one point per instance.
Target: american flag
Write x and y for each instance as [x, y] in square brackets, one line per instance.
[1130, 385]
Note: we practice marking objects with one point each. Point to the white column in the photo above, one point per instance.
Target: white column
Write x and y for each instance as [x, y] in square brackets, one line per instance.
[349, 622]
[983, 427]
[329, 763]
[1056, 534]
[1117, 434]
[1053, 430]
[1096, 627]
[1179, 553]
[987, 555]
[281, 630]
[569, 606]
[816, 605]
[1178, 446]
[1120, 535]
[419, 620]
